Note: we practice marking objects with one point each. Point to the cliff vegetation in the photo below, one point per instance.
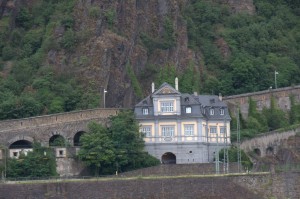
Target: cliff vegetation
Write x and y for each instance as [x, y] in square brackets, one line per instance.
[58, 56]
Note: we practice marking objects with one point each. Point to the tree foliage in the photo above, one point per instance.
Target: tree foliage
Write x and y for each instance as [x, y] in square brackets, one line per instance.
[117, 148]
[38, 163]
[233, 157]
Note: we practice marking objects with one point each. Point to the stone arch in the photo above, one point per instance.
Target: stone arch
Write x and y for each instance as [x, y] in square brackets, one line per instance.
[257, 152]
[76, 139]
[20, 138]
[269, 151]
[168, 158]
[57, 140]
[21, 144]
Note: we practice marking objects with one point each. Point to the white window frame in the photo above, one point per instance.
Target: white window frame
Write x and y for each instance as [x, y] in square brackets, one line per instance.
[189, 129]
[222, 111]
[145, 111]
[223, 129]
[167, 131]
[146, 130]
[213, 129]
[167, 106]
[211, 111]
[188, 109]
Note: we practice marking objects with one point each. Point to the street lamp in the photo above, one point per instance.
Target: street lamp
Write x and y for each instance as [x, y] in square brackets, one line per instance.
[276, 73]
[104, 91]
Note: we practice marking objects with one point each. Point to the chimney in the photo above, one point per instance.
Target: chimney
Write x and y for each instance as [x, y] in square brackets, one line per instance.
[153, 87]
[220, 96]
[195, 93]
[176, 83]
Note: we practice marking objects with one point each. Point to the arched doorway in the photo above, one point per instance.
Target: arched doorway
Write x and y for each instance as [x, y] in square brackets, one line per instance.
[269, 151]
[76, 140]
[57, 140]
[168, 158]
[257, 152]
[18, 147]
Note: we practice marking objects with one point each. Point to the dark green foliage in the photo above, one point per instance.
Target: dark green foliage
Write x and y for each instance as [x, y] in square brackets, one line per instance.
[259, 45]
[276, 118]
[8, 53]
[97, 149]
[110, 16]
[169, 39]
[134, 81]
[24, 18]
[69, 40]
[233, 157]
[38, 163]
[118, 148]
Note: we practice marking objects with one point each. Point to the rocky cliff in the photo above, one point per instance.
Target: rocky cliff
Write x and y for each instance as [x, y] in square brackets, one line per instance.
[116, 36]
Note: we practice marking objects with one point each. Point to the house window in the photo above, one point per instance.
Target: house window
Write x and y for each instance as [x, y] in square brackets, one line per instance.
[222, 111]
[145, 111]
[188, 109]
[189, 129]
[167, 131]
[15, 154]
[222, 129]
[61, 152]
[211, 111]
[167, 106]
[213, 129]
[146, 130]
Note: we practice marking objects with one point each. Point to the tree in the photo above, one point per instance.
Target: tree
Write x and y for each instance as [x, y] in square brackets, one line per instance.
[38, 163]
[117, 148]
[276, 118]
[128, 141]
[97, 150]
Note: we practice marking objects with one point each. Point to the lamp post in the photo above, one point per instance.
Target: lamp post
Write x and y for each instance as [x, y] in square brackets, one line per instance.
[275, 74]
[104, 91]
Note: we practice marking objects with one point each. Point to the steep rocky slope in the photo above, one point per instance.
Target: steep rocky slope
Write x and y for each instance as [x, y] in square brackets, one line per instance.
[110, 35]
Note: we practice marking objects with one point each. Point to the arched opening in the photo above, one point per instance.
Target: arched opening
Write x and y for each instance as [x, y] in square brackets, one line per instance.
[270, 151]
[19, 147]
[57, 140]
[168, 158]
[21, 144]
[257, 152]
[77, 138]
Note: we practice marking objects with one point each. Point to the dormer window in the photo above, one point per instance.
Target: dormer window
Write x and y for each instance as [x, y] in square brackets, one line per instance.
[167, 106]
[211, 111]
[188, 109]
[222, 111]
[145, 111]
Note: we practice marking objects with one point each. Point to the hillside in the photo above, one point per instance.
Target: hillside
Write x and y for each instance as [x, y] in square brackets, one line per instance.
[58, 56]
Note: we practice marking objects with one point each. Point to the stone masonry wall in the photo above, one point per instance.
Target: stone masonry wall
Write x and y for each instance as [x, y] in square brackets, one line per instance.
[262, 99]
[280, 186]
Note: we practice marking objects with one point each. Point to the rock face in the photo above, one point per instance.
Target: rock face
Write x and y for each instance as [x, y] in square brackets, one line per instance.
[110, 36]
[115, 40]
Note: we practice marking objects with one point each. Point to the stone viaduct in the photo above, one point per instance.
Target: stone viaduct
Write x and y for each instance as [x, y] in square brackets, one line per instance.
[262, 99]
[70, 126]
[267, 143]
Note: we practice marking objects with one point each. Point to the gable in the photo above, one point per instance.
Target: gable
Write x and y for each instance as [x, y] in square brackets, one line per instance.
[166, 89]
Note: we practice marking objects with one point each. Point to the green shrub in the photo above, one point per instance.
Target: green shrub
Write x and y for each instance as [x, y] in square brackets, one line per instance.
[69, 40]
[94, 12]
[8, 53]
